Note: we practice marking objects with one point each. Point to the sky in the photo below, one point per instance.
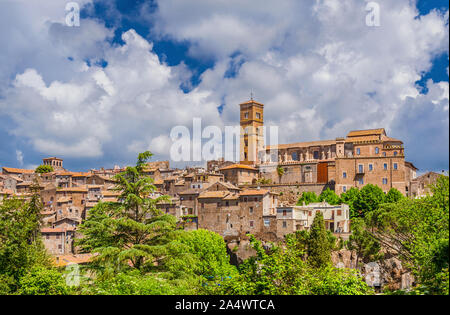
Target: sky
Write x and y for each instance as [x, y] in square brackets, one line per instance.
[99, 93]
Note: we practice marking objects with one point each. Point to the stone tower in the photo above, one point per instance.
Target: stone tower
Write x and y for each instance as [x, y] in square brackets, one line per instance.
[252, 135]
[55, 162]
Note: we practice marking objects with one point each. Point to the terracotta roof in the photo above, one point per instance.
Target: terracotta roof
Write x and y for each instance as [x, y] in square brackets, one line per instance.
[111, 193]
[64, 199]
[238, 166]
[251, 102]
[47, 212]
[213, 194]
[356, 133]
[17, 170]
[52, 158]
[81, 174]
[158, 182]
[24, 184]
[6, 192]
[254, 192]
[231, 197]
[389, 139]
[73, 189]
[363, 138]
[56, 230]
[64, 260]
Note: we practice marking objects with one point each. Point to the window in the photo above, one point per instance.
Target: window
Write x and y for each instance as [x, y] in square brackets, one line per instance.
[370, 167]
[377, 150]
[385, 181]
[361, 181]
[294, 156]
[309, 213]
[358, 151]
[385, 166]
[284, 213]
[361, 168]
[284, 224]
[395, 153]
[266, 222]
[384, 153]
[395, 166]
[251, 209]
[344, 188]
[246, 115]
[339, 212]
[344, 175]
[252, 223]
[227, 203]
[316, 155]
[258, 116]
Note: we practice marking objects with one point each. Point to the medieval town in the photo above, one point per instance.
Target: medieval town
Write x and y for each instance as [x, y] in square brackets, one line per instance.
[231, 199]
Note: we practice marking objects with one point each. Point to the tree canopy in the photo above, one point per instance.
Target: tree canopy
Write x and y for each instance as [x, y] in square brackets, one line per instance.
[307, 197]
[41, 169]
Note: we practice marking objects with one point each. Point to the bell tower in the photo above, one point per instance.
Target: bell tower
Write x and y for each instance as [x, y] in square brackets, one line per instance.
[252, 135]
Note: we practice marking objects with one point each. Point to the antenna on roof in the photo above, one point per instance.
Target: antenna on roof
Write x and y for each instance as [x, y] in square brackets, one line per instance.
[251, 95]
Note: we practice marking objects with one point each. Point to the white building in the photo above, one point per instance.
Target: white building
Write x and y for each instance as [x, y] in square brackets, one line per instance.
[297, 218]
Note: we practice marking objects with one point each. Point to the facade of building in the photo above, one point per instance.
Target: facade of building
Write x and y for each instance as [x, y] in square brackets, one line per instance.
[297, 218]
[362, 157]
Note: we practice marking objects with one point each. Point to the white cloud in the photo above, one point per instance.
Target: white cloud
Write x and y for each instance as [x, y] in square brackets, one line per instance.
[315, 64]
[19, 157]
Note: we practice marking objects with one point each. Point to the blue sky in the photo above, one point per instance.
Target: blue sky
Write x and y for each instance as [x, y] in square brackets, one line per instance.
[98, 94]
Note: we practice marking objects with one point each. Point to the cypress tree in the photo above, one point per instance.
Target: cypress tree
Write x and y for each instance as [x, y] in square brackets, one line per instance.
[319, 251]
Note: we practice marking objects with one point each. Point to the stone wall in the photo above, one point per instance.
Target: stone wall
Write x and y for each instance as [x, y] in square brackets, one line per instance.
[289, 193]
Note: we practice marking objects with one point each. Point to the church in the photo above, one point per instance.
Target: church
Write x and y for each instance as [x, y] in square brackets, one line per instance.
[361, 157]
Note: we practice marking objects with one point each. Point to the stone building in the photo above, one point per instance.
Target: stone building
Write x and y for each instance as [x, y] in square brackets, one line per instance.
[239, 174]
[54, 162]
[296, 218]
[362, 157]
[420, 186]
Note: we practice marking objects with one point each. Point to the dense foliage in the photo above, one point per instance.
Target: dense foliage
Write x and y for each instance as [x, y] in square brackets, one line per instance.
[140, 250]
[329, 196]
[282, 270]
[417, 230]
[307, 197]
[24, 265]
[41, 169]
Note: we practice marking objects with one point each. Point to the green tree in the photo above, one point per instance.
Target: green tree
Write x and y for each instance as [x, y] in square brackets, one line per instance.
[43, 281]
[349, 198]
[307, 198]
[21, 246]
[133, 282]
[280, 172]
[362, 242]
[393, 195]
[282, 271]
[417, 231]
[329, 196]
[41, 169]
[132, 232]
[319, 248]
[369, 199]
[211, 260]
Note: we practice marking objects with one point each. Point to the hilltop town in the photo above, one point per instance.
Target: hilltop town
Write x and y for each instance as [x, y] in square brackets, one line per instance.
[256, 196]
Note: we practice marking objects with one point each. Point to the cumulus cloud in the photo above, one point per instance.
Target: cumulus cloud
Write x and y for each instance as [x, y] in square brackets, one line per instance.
[319, 69]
